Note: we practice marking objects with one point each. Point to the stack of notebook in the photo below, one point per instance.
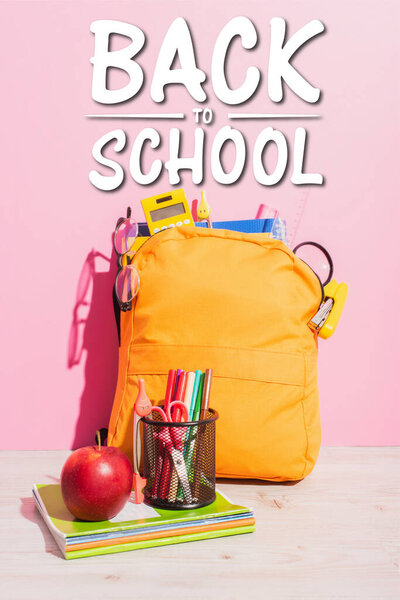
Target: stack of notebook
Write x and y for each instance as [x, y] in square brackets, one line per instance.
[138, 525]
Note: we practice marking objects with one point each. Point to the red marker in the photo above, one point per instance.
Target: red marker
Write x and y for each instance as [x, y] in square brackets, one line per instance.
[160, 459]
[170, 388]
[164, 468]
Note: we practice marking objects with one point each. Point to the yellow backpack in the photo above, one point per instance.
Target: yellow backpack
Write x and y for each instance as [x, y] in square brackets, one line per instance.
[239, 304]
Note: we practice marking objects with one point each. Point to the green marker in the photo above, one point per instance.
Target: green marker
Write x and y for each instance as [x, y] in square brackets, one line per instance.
[197, 375]
[196, 413]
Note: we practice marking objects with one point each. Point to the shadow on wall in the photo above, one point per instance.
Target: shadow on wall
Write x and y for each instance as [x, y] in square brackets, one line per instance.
[93, 337]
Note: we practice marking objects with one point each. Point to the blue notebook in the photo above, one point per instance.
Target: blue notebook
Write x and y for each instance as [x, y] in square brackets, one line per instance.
[245, 226]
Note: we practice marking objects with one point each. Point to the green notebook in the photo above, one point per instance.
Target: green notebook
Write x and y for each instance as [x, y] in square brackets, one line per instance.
[135, 523]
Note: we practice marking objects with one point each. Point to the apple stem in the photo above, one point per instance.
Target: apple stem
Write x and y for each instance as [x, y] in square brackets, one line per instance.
[98, 439]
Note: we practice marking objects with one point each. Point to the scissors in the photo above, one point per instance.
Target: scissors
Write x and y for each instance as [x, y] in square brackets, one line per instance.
[171, 439]
[173, 443]
[166, 415]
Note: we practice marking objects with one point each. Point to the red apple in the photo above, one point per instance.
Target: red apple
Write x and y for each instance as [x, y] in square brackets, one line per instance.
[96, 482]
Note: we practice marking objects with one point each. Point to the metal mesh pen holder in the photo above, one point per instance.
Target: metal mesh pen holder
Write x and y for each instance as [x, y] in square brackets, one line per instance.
[179, 462]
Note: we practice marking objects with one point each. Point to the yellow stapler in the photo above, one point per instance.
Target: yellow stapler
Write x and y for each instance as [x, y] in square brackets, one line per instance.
[325, 321]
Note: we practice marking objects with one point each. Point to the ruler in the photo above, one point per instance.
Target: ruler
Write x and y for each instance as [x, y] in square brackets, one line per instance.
[293, 224]
[286, 225]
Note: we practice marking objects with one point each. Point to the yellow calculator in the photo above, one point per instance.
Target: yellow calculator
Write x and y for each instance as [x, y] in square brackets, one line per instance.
[167, 210]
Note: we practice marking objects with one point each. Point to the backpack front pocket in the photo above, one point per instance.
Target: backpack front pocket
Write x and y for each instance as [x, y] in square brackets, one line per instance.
[268, 426]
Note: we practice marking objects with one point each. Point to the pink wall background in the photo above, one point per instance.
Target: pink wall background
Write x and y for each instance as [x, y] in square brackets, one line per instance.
[56, 227]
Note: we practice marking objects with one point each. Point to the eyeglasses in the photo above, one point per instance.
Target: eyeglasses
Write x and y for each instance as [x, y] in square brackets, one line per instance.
[317, 258]
[127, 279]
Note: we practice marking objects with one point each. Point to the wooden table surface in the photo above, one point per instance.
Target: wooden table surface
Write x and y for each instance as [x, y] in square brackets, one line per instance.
[334, 535]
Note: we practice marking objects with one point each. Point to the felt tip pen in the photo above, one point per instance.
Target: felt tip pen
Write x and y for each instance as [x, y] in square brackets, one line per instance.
[170, 388]
[197, 407]
[189, 390]
[194, 394]
[206, 393]
[177, 412]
